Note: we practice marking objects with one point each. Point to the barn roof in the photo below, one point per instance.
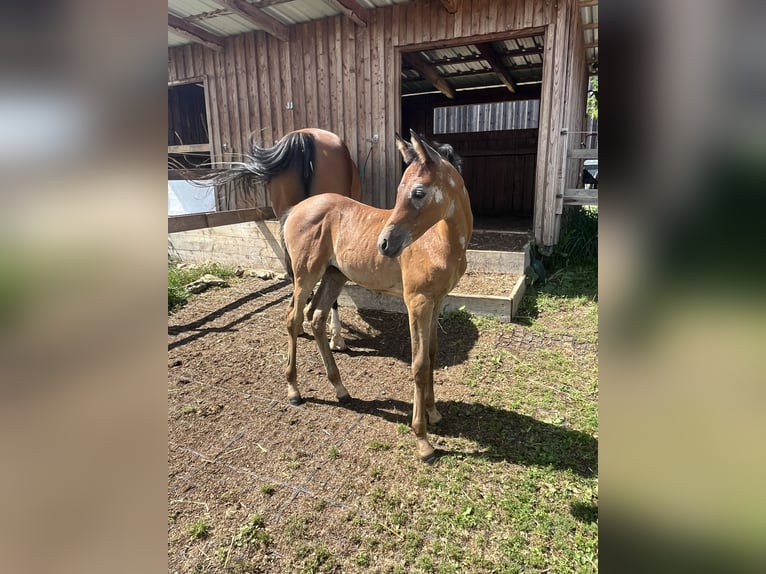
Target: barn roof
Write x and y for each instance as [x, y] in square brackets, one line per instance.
[510, 62]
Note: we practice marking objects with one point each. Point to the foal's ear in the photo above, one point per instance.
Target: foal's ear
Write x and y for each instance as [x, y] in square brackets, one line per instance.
[425, 153]
[405, 149]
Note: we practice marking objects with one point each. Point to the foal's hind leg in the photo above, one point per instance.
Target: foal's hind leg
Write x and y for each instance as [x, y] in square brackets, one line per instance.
[433, 415]
[336, 339]
[294, 325]
[328, 291]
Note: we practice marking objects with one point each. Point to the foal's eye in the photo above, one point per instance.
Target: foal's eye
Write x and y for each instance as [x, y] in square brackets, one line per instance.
[418, 193]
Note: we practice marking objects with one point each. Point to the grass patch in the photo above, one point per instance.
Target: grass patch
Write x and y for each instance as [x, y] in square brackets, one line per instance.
[199, 530]
[179, 278]
[312, 559]
[267, 489]
[333, 452]
[378, 445]
[252, 532]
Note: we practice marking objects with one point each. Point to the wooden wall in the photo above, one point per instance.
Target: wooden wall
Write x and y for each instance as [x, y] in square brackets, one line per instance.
[345, 78]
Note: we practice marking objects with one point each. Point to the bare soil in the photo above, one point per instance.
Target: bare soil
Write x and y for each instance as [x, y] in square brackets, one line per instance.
[231, 430]
[498, 240]
[498, 284]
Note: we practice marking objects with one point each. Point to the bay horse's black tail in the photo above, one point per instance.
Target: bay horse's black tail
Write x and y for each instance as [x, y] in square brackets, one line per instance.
[294, 151]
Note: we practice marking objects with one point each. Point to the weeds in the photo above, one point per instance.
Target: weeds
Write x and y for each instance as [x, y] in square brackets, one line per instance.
[267, 489]
[179, 278]
[252, 532]
[199, 530]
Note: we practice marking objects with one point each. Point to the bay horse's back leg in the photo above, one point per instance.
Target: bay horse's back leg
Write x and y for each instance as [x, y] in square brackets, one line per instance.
[328, 291]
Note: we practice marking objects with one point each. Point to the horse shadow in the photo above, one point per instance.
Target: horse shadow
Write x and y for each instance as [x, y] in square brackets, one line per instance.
[501, 435]
[456, 333]
[198, 328]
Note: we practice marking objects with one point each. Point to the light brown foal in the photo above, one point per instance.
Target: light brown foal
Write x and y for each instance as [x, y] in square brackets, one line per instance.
[415, 251]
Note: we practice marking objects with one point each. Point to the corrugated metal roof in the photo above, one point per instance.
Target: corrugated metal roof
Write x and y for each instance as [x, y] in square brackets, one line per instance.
[589, 16]
[464, 67]
[213, 17]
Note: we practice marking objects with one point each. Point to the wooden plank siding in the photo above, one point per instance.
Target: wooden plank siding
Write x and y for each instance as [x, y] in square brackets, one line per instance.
[345, 78]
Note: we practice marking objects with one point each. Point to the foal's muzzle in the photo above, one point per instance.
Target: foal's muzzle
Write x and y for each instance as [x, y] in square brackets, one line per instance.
[391, 241]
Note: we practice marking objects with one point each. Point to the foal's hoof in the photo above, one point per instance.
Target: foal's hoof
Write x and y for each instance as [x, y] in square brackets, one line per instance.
[295, 401]
[338, 345]
[345, 399]
[429, 458]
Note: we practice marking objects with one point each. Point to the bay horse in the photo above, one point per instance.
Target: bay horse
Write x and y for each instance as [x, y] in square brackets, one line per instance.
[417, 251]
[303, 163]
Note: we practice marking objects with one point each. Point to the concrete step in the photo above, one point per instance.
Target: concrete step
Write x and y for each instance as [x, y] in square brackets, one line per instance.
[503, 308]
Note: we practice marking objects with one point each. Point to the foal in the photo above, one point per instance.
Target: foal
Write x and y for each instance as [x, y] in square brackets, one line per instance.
[415, 251]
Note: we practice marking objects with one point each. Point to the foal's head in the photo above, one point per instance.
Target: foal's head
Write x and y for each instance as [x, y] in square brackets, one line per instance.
[425, 195]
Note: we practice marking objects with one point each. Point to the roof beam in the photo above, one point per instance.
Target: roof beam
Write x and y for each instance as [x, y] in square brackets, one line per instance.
[478, 58]
[415, 61]
[352, 10]
[450, 5]
[489, 54]
[194, 33]
[258, 17]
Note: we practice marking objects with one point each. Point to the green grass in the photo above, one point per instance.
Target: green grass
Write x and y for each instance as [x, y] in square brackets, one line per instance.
[516, 488]
[178, 279]
[267, 489]
[200, 529]
[252, 532]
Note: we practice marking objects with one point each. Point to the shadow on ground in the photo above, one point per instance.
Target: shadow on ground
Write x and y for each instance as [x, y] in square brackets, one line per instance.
[500, 434]
[198, 329]
[457, 336]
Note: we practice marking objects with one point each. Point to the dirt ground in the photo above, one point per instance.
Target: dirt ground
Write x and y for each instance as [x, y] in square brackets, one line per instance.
[237, 448]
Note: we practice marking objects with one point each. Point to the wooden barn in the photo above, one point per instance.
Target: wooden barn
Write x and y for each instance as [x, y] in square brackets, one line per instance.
[503, 81]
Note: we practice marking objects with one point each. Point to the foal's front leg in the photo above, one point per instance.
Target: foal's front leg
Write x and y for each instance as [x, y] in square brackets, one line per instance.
[421, 312]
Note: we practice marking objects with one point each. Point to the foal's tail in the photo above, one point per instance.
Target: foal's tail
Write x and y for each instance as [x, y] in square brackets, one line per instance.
[294, 151]
[287, 259]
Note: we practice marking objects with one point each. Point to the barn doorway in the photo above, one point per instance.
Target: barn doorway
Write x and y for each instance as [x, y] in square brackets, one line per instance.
[483, 98]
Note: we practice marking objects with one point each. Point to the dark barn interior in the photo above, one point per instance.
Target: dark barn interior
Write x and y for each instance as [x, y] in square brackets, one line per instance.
[484, 100]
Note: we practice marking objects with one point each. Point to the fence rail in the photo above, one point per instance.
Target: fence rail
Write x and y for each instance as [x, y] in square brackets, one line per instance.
[573, 157]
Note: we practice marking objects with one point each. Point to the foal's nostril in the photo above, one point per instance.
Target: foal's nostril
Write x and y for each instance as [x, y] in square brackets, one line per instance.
[384, 245]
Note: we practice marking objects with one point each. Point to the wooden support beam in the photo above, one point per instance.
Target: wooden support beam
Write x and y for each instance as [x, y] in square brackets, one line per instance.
[489, 54]
[352, 10]
[450, 5]
[194, 33]
[178, 223]
[189, 148]
[578, 196]
[258, 17]
[583, 153]
[415, 61]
